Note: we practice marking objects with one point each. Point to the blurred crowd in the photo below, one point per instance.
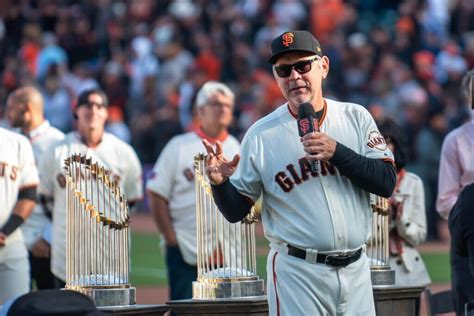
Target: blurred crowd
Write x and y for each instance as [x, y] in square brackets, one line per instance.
[403, 59]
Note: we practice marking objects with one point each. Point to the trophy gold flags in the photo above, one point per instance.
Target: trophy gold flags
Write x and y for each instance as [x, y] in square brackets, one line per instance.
[378, 245]
[97, 234]
[226, 253]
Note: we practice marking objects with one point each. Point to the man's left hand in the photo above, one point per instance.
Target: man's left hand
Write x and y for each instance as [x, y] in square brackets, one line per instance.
[318, 146]
[41, 249]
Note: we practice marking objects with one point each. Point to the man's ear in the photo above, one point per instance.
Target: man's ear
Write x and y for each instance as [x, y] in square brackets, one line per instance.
[325, 66]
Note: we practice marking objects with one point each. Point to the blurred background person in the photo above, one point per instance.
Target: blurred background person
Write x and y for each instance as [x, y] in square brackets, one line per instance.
[25, 111]
[428, 149]
[461, 225]
[171, 187]
[57, 103]
[90, 139]
[456, 168]
[407, 219]
[18, 182]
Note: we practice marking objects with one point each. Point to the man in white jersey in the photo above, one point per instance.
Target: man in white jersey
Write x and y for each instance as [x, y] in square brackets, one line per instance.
[25, 111]
[18, 182]
[118, 158]
[317, 221]
[171, 188]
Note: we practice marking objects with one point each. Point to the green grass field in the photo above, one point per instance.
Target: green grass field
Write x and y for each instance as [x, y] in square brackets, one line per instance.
[148, 267]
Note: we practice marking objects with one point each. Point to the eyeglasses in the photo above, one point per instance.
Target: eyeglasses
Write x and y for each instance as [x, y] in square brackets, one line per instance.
[301, 67]
[91, 104]
[217, 104]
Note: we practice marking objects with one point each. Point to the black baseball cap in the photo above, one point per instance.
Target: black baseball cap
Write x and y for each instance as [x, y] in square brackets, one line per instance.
[53, 302]
[292, 41]
[83, 98]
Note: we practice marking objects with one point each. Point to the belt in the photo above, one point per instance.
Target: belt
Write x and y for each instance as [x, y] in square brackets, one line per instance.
[342, 259]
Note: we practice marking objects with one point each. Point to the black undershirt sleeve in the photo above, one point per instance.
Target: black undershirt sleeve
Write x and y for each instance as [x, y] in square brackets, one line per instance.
[373, 175]
[233, 205]
[27, 194]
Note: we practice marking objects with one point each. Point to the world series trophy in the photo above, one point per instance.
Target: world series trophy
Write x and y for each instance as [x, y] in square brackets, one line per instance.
[97, 234]
[378, 245]
[226, 253]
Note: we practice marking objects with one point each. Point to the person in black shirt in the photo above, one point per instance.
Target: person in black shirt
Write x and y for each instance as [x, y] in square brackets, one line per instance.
[461, 228]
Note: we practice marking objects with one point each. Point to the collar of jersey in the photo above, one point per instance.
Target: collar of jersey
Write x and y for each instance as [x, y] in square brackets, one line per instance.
[79, 137]
[320, 120]
[212, 140]
[39, 130]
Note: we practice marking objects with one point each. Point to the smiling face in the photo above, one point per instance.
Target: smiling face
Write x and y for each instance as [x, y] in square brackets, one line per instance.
[93, 114]
[298, 87]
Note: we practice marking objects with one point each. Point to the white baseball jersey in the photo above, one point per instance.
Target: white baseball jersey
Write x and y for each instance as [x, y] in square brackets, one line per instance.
[321, 211]
[41, 138]
[173, 179]
[17, 171]
[116, 156]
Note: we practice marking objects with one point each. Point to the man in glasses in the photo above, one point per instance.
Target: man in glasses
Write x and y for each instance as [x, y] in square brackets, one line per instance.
[171, 189]
[117, 157]
[317, 221]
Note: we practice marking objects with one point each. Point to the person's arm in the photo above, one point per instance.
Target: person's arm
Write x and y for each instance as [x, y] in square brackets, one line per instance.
[412, 224]
[21, 211]
[161, 214]
[449, 178]
[373, 175]
[233, 205]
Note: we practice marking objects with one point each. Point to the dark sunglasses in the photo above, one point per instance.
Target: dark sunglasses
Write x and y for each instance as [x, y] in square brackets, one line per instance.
[90, 104]
[301, 67]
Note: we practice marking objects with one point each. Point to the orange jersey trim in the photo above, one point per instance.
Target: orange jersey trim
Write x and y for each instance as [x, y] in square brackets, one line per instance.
[323, 116]
[212, 140]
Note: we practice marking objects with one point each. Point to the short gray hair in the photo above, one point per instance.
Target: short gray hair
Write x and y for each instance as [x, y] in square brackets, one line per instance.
[209, 89]
[466, 83]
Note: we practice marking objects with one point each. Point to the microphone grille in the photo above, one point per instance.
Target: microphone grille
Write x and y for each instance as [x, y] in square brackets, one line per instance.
[305, 110]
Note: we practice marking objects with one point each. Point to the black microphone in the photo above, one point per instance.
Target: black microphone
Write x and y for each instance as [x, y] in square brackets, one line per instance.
[308, 123]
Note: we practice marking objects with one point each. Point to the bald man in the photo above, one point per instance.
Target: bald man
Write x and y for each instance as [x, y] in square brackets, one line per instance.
[25, 111]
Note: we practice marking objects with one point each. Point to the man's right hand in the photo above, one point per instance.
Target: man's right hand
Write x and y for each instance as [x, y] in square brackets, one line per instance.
[218, 169]
[3, 238]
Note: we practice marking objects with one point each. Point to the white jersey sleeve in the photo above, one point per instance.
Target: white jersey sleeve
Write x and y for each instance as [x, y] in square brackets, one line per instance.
[132, 184]
[246, 177]
[375, 145]
[29, 172]
[17, 171]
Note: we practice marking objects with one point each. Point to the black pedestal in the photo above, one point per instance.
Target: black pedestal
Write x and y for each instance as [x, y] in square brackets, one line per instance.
[226, 307]
[156, 310]
[396, 300]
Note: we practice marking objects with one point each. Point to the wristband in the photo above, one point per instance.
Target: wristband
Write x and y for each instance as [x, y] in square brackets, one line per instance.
[12, 224]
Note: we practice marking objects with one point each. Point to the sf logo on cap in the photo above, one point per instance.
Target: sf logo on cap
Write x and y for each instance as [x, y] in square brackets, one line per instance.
[287, 39]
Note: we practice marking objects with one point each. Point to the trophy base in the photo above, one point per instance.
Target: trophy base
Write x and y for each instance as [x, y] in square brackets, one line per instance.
[382, 277]
[228, 288]
[121, 296]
